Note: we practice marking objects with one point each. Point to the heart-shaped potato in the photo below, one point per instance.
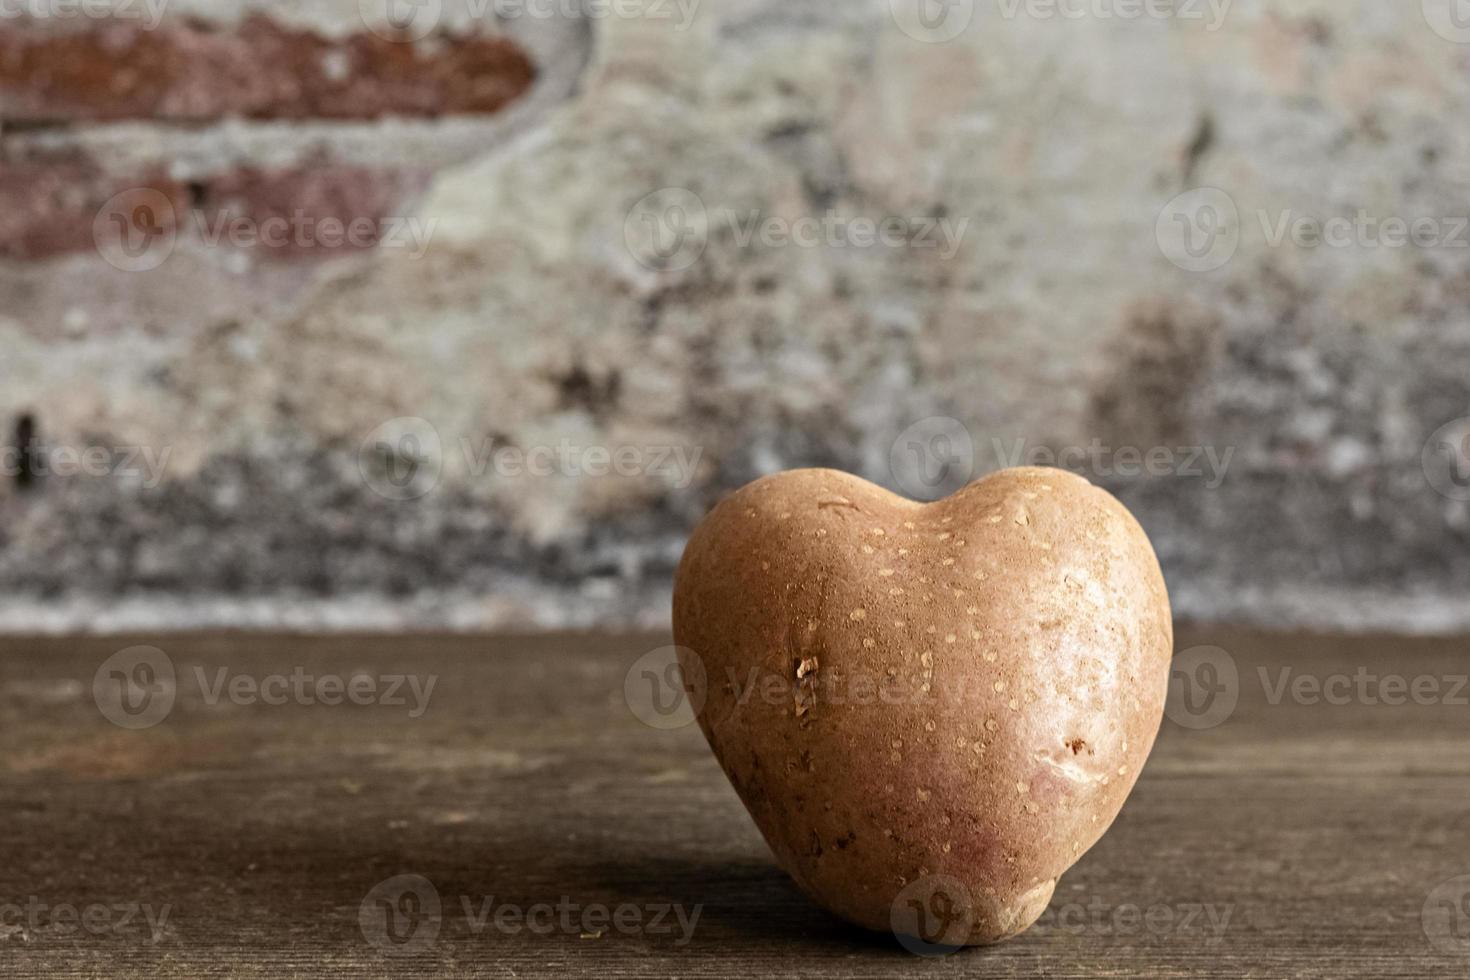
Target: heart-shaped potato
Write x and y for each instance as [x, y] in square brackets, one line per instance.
[912, 698]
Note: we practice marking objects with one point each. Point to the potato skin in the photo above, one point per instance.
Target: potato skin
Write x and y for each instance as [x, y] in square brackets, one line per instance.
[897, 690]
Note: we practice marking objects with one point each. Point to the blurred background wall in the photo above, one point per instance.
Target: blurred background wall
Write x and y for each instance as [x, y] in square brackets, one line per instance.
[1212, 255]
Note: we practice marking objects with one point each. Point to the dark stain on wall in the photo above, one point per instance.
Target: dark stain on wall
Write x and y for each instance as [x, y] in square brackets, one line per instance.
[1155, 366]
[25, 438]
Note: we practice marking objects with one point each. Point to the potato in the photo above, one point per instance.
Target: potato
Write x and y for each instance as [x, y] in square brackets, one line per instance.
[930, 710]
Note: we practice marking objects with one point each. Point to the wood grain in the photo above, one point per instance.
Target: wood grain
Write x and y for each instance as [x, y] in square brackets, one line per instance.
[1293, 839]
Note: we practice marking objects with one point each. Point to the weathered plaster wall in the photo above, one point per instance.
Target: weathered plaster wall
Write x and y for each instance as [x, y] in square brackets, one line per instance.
[608, 267]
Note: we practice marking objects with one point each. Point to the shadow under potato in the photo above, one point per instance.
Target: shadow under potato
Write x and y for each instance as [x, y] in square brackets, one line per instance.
[741, 901]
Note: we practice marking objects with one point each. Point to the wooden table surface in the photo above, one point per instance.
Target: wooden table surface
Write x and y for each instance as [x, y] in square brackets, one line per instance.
[559, 835]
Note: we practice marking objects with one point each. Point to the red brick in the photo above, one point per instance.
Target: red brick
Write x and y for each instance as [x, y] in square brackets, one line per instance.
[190, 71]
[47, 209]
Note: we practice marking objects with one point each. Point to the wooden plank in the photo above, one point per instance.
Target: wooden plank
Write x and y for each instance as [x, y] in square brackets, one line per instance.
[1292, 839]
